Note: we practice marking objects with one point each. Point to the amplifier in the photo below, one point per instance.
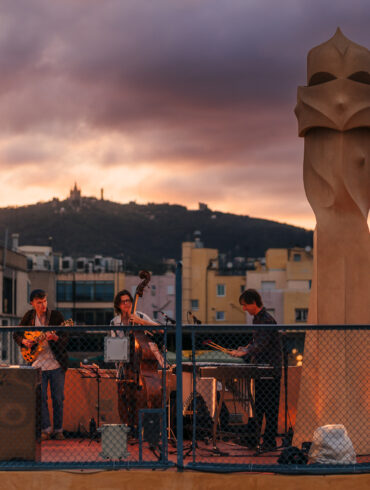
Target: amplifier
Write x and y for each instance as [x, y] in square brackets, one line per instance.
[20, 413]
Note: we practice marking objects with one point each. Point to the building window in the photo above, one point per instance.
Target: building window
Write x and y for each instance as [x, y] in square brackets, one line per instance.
[170, 290]
[67, 264]
[80, 264]
[64, 291]
[220, 316]
[85, 291]
[195, 304]
[221, 290]
[104, 291]
[66, 312]
[268, 285]
[301, 314]
[296, 257]
[89, 317]
[7, 295]
[242, 289]
[153, 289]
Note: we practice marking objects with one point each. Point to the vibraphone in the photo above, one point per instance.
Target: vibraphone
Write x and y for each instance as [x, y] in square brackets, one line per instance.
[228, 374]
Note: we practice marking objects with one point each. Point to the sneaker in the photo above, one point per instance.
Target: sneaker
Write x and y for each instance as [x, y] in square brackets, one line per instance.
[45, 436]
[58, 436]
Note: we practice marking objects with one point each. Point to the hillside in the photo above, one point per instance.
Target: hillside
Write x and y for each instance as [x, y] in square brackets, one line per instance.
[143, 234]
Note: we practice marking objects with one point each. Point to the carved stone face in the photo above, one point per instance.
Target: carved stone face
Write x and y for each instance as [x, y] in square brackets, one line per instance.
[338, 91]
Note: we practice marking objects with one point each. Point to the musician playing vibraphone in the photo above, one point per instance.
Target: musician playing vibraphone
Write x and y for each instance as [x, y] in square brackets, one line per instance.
[265, 348]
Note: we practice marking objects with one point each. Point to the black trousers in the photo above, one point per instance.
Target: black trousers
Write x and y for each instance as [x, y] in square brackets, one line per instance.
[267, 397]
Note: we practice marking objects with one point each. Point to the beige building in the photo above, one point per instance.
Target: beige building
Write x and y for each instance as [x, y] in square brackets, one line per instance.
[14, 293]
[14, 286]
[159, 297]
[209, 293]
[42, 265]
[88, 297]
[284, 281]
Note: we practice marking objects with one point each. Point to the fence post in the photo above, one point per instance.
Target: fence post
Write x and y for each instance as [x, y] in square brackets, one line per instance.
[179, 400]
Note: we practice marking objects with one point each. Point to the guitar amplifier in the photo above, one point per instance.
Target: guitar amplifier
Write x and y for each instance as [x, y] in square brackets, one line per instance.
[20, 413]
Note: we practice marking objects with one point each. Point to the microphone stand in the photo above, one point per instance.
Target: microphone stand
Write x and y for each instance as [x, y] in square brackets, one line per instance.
[168, 319]
[195, 319]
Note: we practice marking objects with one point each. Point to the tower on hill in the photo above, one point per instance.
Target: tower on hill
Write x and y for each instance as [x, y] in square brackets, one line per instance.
[75, 196]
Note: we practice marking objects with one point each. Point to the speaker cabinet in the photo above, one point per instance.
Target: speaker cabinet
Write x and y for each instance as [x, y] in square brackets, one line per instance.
[20, 413]
[206, 387]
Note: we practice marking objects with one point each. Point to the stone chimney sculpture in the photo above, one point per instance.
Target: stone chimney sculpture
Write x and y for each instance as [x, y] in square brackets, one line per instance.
[333, 113]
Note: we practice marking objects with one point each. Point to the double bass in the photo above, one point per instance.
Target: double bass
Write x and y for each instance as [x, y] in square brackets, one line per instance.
[142, 383]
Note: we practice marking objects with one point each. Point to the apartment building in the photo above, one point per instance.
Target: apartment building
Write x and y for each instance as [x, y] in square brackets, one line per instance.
[87, 297]
[284, 281]
[159, 298]
[210, 291]
[14, 293]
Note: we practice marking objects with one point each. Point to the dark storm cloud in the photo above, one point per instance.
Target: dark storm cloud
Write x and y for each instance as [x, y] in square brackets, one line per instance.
[128, 64]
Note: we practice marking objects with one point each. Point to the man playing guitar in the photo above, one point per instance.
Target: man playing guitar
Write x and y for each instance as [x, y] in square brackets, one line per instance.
[47, 351]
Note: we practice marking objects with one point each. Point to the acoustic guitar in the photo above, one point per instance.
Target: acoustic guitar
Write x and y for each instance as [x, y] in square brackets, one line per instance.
[30, 354]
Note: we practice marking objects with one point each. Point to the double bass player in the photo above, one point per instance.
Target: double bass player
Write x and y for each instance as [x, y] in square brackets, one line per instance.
[139, 384]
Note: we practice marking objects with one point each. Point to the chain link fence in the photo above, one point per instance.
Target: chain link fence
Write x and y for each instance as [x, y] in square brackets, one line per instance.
[298, 403]
[307, 412]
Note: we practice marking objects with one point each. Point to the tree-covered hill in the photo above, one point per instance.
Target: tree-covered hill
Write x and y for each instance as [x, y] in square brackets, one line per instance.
[143, 235]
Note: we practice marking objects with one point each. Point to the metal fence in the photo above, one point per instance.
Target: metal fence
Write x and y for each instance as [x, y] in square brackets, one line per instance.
[211, 411]
[308, 414]
[183, 396]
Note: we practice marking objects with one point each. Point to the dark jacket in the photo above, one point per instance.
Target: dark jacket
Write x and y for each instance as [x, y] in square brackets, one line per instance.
[265, 347]
[58, 347]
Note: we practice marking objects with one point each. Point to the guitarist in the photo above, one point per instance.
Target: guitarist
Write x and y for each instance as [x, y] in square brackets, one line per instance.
[52, 359]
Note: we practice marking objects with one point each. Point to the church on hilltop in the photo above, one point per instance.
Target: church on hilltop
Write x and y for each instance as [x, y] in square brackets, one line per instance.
[75, 196]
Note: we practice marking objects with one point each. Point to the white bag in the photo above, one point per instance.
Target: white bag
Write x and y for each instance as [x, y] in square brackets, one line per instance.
[332, 445]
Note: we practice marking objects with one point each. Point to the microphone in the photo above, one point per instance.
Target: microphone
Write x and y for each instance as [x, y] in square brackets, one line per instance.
[167, 318]
[195, 319]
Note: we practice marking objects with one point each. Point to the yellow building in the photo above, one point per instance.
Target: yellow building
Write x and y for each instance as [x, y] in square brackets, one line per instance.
[284, 281]
[208, 293]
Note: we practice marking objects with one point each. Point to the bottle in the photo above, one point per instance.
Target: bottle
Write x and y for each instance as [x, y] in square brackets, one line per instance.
[92, 427]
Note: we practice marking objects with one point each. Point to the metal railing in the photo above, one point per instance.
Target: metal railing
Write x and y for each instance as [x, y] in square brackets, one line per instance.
[304, 410]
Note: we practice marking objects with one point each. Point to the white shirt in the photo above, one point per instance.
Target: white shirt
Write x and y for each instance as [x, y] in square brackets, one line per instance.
[117, 321]
[46, 359]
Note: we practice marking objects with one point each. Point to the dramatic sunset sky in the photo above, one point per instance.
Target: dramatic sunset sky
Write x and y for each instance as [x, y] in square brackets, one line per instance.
[174, 101]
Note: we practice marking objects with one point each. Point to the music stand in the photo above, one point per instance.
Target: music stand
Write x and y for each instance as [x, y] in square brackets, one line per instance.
[93, 371]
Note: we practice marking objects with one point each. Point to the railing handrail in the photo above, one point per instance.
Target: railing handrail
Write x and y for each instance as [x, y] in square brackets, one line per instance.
[187, 328]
